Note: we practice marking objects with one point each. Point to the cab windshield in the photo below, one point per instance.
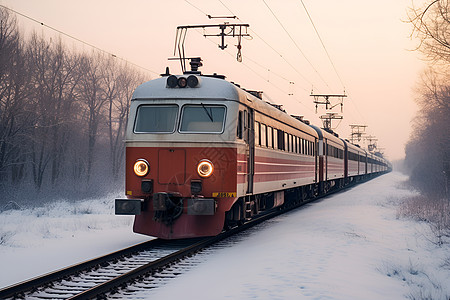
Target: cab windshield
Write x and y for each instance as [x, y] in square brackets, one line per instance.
[202, 118]
[156, 119]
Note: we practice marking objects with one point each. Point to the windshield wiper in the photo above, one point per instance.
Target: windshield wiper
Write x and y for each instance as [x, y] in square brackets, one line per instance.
[207, 112]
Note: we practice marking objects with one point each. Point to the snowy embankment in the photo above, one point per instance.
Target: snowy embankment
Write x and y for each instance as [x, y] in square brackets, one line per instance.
[348, 246]
[44, 239]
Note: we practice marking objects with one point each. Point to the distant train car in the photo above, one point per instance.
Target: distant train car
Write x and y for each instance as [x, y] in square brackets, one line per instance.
[202, 154]
[356, 162]
[331, 160]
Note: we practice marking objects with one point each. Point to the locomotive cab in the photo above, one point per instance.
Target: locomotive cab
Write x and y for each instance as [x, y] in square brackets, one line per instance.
[181, 156]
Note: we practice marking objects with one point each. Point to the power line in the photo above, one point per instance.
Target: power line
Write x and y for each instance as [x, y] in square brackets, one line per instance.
[77, 39]
[271, 47]
[295, 43]
[329, 58]
[323, 45]
[196, 7]
[281, 56]
[260, 76]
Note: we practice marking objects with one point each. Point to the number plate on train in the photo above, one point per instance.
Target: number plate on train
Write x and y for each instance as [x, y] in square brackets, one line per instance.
[224, 195]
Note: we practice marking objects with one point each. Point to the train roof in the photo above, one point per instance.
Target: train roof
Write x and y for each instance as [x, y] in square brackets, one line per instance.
[208, 87]
[354, 147]
[324, 134]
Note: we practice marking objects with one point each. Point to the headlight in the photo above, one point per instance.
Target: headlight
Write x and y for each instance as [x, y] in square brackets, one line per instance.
[205, 168]
[141, 167]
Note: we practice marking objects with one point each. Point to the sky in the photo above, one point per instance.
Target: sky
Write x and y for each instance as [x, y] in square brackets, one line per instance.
[367, 55]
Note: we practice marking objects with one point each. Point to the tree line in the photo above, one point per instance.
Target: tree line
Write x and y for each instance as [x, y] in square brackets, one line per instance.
[427, 152]
[63, 115]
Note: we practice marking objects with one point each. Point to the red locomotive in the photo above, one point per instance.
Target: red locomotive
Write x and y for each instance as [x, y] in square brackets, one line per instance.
[202, 154]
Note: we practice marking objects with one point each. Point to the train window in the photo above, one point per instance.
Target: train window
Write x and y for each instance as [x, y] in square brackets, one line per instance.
[156, 119]
[263, 135]
[299, 148]
[240, 123]
[291, 140]
[269, 137]
[296, 143]
[286, 141]
[202, 118]
[247, 132]
[275, 138]
[257, 131]
[280, 139]
[294, 139]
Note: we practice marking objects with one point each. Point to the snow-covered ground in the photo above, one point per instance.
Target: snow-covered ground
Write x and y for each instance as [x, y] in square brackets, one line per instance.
[348, 246]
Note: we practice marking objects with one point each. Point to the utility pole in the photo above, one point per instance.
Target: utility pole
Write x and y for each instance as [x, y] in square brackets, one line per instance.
[357, 132]
[324, 99]
[326, 119]
[372, 145]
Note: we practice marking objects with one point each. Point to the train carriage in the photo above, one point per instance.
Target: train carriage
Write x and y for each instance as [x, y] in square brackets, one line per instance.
[356, 161]
[330, 152]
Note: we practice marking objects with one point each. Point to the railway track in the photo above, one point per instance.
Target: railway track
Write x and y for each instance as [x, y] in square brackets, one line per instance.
[140, 267]
[115, 271]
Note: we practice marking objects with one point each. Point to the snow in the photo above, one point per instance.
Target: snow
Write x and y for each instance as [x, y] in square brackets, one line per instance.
[347, 246]
[44, 239]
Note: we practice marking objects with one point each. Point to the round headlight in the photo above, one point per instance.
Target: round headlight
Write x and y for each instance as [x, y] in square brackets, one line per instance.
[205, 168]
[141, 167]
[172, 81]
[182, 82]
[192, 81]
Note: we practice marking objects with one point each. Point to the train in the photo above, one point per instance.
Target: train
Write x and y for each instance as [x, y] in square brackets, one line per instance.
[204, 155]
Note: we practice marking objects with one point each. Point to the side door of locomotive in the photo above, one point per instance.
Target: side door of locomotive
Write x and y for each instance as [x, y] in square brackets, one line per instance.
[249, 137]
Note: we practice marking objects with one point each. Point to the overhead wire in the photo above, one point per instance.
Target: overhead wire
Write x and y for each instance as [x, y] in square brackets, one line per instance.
[281, 56]
[259, 74]
[77, 39]
[329, 58]
[196, 7]
[247, 58]
[295, 43]
[271, 47]
[293, 67]
[323, 45]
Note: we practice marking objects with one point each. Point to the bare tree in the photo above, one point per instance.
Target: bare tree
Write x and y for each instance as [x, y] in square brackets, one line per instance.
[15, 112]
[431, 26]
[125, 80]
[427, 150]
[93, 100]
[66, 80]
